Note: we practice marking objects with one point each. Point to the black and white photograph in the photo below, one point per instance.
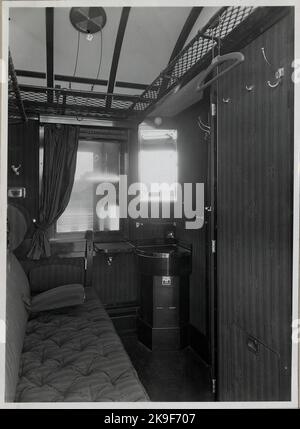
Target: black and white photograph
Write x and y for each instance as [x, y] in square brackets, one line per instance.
[149, 187]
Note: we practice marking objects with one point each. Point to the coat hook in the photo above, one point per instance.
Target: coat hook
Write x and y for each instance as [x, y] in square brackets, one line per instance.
[109, 260]
[273, 85]
[203, 127]
[16, 169]
[265, 57]
[278, 76]
[249, 87]
[226, 100]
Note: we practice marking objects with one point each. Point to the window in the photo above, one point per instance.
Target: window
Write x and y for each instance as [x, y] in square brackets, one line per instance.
[158, 163]
[97, 162]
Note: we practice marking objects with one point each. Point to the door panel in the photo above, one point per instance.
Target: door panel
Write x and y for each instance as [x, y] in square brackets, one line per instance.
[256, 361]
[254, 248]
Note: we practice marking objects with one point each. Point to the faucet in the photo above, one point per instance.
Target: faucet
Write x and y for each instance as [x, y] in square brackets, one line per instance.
[170, 235]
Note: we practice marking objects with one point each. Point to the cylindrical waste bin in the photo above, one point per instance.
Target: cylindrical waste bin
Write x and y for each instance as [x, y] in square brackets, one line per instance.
[164, 296]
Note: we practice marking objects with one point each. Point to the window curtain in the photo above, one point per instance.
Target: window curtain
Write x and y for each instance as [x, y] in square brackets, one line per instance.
[60, 153]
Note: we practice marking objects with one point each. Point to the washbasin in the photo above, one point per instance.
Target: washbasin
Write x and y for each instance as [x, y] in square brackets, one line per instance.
[159, 251]
[164, 260]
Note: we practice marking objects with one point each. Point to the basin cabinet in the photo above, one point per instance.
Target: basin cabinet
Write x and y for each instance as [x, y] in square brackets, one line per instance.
[164, 312]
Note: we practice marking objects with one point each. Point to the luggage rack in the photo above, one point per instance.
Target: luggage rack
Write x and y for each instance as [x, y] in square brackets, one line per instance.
[29, 100]
[60, 101]
[197, 51]
[16, 110]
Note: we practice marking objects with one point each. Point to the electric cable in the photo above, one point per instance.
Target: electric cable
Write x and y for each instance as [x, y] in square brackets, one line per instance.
[76, 60]
[100, 61]
[74, 73]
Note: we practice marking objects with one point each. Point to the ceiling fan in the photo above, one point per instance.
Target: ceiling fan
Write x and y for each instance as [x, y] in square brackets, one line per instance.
[88, 20]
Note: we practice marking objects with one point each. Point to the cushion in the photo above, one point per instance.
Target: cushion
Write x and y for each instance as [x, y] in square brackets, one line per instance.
[17, 291]
[75, 355]
[62, 296]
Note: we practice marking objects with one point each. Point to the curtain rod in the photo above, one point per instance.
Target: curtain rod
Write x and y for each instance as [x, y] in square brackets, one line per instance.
[69, 120]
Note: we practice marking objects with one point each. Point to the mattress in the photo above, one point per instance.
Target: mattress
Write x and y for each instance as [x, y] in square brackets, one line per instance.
[75, 355]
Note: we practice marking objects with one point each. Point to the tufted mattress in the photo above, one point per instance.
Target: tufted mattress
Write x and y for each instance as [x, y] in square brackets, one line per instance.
[74, 355]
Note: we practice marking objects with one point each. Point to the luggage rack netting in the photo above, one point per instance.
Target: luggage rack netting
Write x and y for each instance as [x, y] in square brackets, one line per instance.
[72, 98]
[13, 110]
[60, 101]
[15, 104]
[222, 24]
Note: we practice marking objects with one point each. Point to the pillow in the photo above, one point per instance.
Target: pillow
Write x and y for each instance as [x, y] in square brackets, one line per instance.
[61, 296]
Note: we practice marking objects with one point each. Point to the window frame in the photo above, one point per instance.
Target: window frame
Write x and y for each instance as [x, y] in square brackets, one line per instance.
[86, 133]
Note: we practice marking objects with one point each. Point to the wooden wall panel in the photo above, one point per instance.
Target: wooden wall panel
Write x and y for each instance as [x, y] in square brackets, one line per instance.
[116, 284]
[145, 229]
[192, 155]
[23, 148]
[254, 246]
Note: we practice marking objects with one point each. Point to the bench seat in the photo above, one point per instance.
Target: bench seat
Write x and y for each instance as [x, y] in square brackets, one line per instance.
[75, 355]
[71, 354]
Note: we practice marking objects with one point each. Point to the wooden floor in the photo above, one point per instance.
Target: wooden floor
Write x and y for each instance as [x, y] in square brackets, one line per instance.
[173, 376]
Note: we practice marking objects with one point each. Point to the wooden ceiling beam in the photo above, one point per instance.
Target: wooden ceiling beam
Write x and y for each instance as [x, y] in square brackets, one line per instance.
[185, 32]
[116, 54]
[78, 79]
[50, 50]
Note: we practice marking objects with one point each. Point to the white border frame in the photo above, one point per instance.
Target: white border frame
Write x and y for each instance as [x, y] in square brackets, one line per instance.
[6, 5]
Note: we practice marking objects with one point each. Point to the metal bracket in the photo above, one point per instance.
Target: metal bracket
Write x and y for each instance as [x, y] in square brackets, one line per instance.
[213, 246]
[214, 385]
[213, 109]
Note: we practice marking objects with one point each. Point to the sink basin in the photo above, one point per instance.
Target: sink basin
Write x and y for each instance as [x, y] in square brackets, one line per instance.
[164, 260]
[160, 250]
